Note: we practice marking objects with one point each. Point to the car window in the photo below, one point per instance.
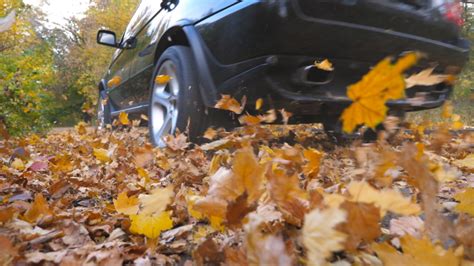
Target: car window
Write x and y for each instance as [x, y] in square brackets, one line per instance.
[145, 11]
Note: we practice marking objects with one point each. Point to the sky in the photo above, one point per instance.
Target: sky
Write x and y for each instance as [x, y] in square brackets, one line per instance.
[58, 11]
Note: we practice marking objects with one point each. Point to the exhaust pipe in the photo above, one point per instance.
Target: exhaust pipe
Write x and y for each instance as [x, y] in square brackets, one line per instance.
[312, 75]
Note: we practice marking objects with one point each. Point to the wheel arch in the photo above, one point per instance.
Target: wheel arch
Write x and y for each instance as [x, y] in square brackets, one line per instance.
[187, 35]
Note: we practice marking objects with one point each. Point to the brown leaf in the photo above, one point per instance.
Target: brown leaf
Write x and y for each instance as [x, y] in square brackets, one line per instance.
[230, 104]
[363, 224]
[8, 251]
[38, 210]
[208, 253]
[237, 210]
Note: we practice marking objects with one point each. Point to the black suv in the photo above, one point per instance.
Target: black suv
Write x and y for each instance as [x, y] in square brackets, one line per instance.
[266, 49]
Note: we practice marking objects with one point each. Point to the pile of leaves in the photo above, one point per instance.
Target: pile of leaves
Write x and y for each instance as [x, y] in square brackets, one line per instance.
[266, 195]
[274, 195]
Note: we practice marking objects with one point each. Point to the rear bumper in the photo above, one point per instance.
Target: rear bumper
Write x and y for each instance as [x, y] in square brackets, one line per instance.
[255, 51]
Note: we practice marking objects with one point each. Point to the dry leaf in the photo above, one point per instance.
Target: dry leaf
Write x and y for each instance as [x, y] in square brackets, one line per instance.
[466, 201]
[320, 236]
[258, 104]
[123, 119]
[313, 158]
[126, 205]
[162, 79]
[102, 155]
[425, 78]
[325, 65]
[230, 104]
[156, 202]
[386, 200]
[152, 225]
[417, 252]
[466, 163]
[38, 209]
[384, 82]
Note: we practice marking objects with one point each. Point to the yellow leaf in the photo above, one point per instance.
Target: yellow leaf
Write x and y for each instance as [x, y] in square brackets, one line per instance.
[126, 205]
[258, 104]
[210, 134]
[466, 163]
[102, 155]
[162, 79]
[156, 202]
[81, 128]
[425, 78]
[324, 65]
[151, 226]
[123, 119]
[466, 201]
[249, 172]
[384, 82]
[417, 252]
[447, 110]
[386, 200]
[38, 209]
[114, 82]
[18, 164]
[319, 235]
[230, 104]
[313, 157]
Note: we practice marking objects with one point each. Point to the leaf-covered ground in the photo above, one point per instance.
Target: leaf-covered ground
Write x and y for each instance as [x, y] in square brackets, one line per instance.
[275, 195]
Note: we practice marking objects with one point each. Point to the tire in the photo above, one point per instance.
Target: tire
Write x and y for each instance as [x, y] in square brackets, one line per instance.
[103, 112]
[180, 99]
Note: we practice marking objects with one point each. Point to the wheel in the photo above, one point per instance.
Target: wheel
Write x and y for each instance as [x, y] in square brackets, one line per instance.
[178, 105]
[103, 112]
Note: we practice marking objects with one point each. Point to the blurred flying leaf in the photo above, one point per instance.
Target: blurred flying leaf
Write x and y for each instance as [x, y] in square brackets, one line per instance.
[258, 104]
[230, 104]
[123, 119]
[384, 82]
[162, 79]
[325, 65]
[425, 78]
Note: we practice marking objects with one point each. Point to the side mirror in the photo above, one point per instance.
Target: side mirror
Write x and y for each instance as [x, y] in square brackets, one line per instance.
[107, 38]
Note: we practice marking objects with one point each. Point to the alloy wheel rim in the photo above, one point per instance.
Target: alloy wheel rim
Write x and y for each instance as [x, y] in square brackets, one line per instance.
[164, 104]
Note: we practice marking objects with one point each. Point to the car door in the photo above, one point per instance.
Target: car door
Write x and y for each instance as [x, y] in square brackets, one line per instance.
[155, 23]
[124, 95]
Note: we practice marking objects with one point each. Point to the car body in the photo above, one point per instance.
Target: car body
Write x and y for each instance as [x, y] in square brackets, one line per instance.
[266, 49]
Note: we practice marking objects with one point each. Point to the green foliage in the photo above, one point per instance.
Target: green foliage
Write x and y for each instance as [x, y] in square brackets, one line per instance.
[26, 71]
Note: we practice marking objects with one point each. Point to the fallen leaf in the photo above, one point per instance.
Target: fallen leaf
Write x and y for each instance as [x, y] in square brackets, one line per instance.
[18, 164]
[466, 163]
[230, 104]
[9, 252]
[384, 82]
[386, 200]
[151, 226]
[123, 119]
[258, 104]
[38, 209]
[162, 79]
[466, 201]
[313, 158]
[320, 236]
[126, 205]
[325, 65]
[416, 252]
[363, 224]
[425, 78]
[102, 155]
[156, 202]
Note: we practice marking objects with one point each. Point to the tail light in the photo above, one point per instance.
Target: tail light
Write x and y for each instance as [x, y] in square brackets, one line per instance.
[452, 11]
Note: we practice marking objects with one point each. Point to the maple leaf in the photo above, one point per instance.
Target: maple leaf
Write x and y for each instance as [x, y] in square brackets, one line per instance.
[417, 252]
[311, 169]
[156, 202]
[151, 225]
[230, 104]
[102, 155]
[123, 119]
[251, 120]
[291, 200]
[126, 205]
[249, 172]
[162, 79]
[425, 78]
[363, 223]
[320, 236]
[324, 65]
[38, 209]
[384, 82]
[466, 201]
[386, 200]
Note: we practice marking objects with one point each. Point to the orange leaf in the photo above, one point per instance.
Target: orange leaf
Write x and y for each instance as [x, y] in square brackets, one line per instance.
[230, 104]
[162, 79]
[324, 65]
[258, 104]
[384, 82]
[126, 205]
[311, 169]
[123, 119]
[38, 209]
